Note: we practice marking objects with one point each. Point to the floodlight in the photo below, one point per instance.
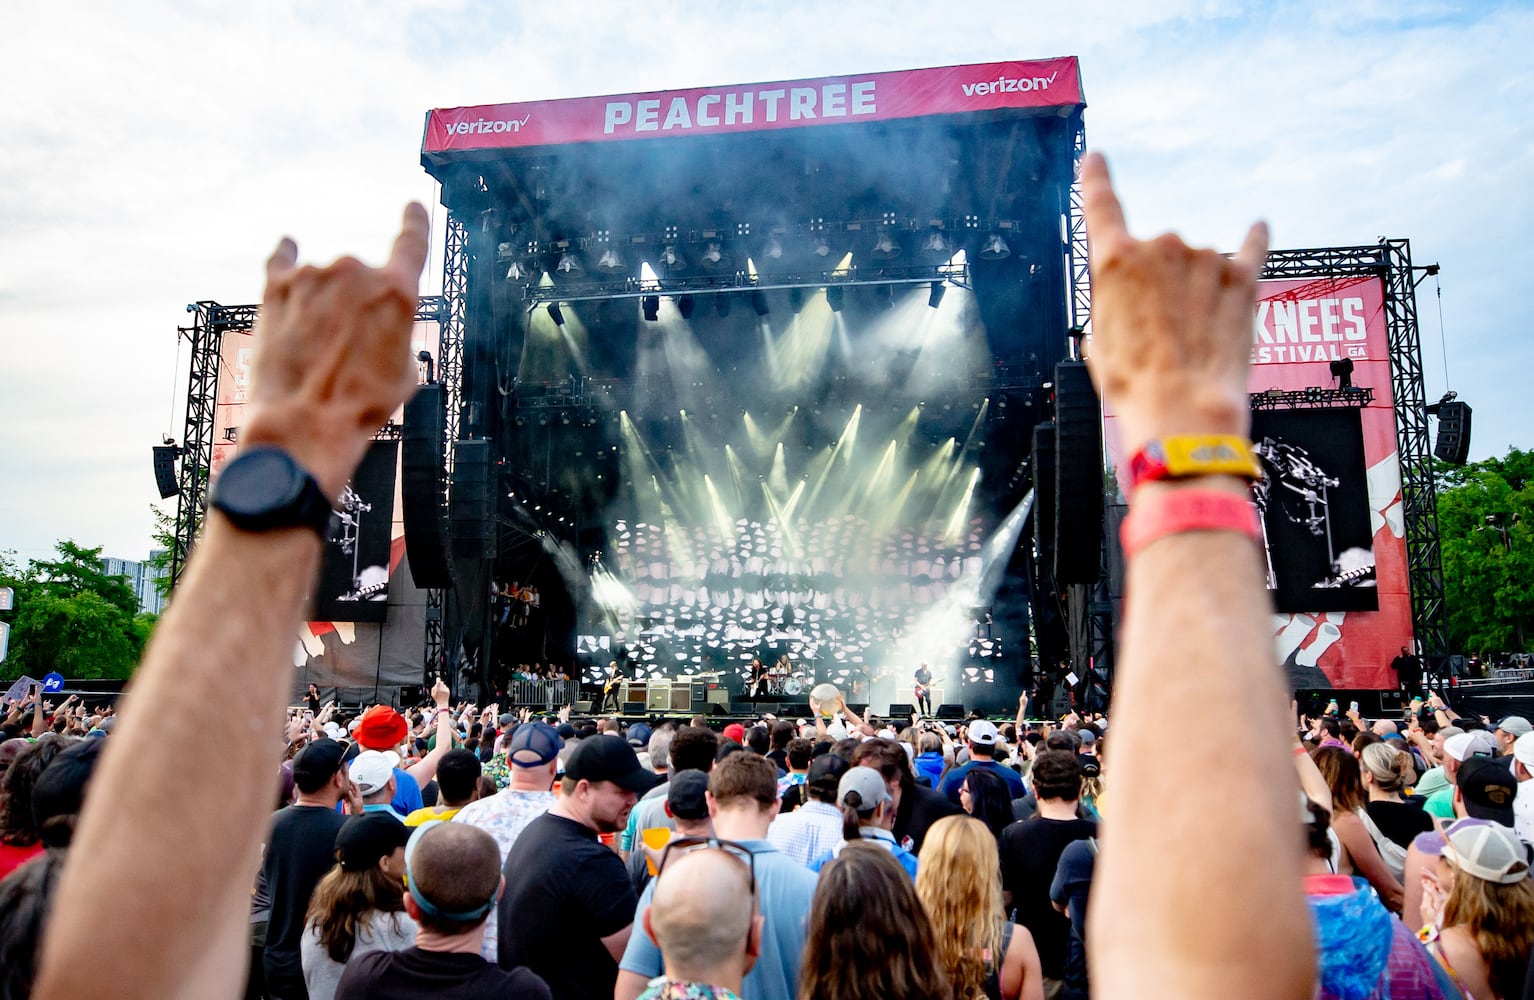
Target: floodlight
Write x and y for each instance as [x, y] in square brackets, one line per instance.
[995, 248]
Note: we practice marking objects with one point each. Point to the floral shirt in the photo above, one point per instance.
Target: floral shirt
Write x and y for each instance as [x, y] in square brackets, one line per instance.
[504, 816]
[661, 988]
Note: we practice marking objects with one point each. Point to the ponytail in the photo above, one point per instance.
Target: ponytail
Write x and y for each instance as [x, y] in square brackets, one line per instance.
[853, 814]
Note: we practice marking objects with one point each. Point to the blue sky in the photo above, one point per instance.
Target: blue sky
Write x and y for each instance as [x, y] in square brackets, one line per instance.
[154, 152]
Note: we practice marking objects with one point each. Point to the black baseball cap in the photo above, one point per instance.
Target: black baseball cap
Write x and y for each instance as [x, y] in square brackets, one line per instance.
[604, 759]
[364, 840]
[1488, 788]
[826, 771]
[685, 794]
[317, 763]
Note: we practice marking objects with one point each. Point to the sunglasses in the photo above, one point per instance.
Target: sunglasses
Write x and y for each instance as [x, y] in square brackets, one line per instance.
[735, 849]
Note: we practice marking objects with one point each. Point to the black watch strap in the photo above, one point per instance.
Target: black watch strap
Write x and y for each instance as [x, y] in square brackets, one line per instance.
[265, 489]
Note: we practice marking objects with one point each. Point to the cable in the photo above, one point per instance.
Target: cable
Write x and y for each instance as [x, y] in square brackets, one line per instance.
[170, 419]
[1443, 340]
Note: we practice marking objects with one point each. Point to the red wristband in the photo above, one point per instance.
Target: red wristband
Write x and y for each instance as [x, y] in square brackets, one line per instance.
[1176, 511]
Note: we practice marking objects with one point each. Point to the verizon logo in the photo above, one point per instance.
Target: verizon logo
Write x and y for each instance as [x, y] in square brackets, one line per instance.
[1009, 85]
[483, 125]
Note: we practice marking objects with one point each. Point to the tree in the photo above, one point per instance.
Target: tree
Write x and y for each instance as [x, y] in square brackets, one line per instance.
[71, 617]
[1486, 530]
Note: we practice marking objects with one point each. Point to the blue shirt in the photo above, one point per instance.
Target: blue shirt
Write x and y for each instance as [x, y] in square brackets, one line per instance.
[784, 891]
[880, 836]
[929, 765]
[1015, 786]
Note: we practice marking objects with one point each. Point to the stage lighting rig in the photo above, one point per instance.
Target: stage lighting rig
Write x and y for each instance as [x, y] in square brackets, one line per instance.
[935, 296]
[836, 297]
[685, 305]
[651, 306]
[995, 248]
[556, 314]
[887, 246]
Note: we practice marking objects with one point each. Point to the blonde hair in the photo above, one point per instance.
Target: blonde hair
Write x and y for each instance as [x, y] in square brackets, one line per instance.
[959, 884]
[1501, 920]
[1390, 768]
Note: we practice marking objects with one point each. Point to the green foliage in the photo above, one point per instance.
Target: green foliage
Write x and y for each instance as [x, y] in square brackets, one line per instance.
[71, 617]
[1486, 528]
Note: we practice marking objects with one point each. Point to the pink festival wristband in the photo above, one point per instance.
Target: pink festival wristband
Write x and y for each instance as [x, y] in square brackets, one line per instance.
[1177, 511]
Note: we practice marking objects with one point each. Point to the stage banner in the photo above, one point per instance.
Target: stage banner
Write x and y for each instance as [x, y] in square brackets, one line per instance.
[1037, 85]
[354, 569]
[1328, 633]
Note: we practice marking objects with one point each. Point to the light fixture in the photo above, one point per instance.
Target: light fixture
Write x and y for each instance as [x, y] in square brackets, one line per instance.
[937, 245]
[935, 297]
[671, 258]
[570, 263]
[555, 314]
[610, 261]
[995, 248]
[685, 306]
[759, 303]
[1342, 371]
[836, 297]
[885, 294]
[822, 247]
[772, 249]
[796, 299]
[886, 247]
[650, 304]
[713, 255]
[516, 272]
[722, 305]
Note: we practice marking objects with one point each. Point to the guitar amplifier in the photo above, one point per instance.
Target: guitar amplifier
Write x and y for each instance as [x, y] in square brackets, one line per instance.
[681, 697]
[634, 696]
[659, 699]
[718, 694]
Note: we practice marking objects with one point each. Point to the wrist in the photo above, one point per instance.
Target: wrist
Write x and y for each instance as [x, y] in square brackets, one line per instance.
[307, 435]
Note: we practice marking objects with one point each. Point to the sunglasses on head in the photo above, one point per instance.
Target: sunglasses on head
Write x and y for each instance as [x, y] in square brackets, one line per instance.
[735, 849]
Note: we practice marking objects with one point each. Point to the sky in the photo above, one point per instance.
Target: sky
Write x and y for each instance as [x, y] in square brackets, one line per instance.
[153, 153]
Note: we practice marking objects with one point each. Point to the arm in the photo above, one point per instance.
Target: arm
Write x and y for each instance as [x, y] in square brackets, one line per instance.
[616, 943]
[1021, 722]
[1021, 976]
[1311, 781]
[332, 362]
[1360, 849]
[39, 721]
[846, 710]
[630, 985]
[1170, 349]
[426, 768]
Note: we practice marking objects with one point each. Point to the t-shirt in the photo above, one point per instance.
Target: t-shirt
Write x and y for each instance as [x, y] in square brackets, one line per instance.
[504, 816]
[414, 974]
[378, 932]
[1399, 821]
[565, 891]
[12, 857]
[1015, 787]
[426, 814]
[1030, 854]
[785, 890]
[878, 835]
[649, 812]
[1071, 887]
[807, 832]
[299, 851]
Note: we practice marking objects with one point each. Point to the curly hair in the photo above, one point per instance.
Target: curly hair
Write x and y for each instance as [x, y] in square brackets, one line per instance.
[1343, 777]
[959, 884]
[18, 825]
[1500, 918]
[344, 902]
[869, 937]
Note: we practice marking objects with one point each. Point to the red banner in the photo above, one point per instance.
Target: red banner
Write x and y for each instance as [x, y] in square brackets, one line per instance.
[1036, 85]
[1299, 328]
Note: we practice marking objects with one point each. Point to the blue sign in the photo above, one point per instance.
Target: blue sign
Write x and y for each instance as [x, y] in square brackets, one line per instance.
[53, 682]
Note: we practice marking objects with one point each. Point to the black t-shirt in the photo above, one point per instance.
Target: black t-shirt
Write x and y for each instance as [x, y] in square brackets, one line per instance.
[1030, 852]
[299, 851]
[565, 891]
[780, 758]
[440, 975]
[1399, 821]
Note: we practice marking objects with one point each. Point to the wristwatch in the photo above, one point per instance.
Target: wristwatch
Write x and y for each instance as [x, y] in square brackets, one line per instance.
[264, 489]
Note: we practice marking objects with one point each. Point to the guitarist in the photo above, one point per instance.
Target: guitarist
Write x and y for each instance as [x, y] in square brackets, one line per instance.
[610, 687]
[923, 687]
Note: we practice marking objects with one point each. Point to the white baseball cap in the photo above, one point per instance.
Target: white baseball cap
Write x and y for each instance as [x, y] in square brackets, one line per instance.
[1463, 746]
[983, 732]
[372, 769]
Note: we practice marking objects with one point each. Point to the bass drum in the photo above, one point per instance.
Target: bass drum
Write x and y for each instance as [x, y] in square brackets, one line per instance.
[794, 686]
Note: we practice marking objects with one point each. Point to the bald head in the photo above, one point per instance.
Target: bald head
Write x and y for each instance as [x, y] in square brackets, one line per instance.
[457, 868]
[702, 913]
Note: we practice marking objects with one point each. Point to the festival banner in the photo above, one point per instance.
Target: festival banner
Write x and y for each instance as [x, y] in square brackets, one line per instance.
[1038, 85]
[1325, 637]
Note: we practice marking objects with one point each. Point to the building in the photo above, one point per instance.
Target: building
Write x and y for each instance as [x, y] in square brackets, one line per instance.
[141, 577]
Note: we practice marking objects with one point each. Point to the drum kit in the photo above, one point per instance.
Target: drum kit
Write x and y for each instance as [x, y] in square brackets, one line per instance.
[784, 681]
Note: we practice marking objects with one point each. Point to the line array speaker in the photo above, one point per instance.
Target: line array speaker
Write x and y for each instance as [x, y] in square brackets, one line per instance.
[165, 470]
[471, 506]
[422, 494]
[1044, 494]
[1078, 476]
[1453, 444]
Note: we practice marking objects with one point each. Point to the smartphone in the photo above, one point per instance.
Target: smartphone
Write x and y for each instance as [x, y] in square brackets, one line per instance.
[1352, 706]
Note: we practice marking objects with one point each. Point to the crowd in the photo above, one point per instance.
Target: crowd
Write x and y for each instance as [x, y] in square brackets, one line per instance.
[464, 852]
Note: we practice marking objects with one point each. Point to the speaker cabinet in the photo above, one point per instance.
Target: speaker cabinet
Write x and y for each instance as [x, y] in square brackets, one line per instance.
[1044, 494]
[471, 504]
[165, 470]
[1453, 443]
[1078, 476]
[901, 710]
[950, 712]
[422, 493]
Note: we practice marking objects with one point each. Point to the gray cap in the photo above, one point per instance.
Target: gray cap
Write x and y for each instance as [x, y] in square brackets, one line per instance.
[1517, 725]
[868, 783]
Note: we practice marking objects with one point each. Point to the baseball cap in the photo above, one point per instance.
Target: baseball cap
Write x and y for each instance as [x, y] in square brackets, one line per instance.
[868, 783]
[60, 789]
[685, 794]
[609, 760]
[827, 770]
[1489, 852]
[1432, 843]
[1087, 737]
[1523, 750]
[1517, 725]
[372, 769]
[381, 728]
[639, 735]
[566, 731]
[364, 840]
[983, 733]
[507, 720]
[1476, 743]
[316, 764]
[735, 731]
[1488, 788]
[533, 744]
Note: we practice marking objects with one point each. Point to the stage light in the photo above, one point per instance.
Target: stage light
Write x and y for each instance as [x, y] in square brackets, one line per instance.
[713, 256]
[570, 263]
[822, 247]
[610, 261]
[836, 297]
[672, 259]
[995, 248]
[759, 303]
[722, 305]
[796, 299]
[685, 305]
[651, 306]
[935, 297]
[1343, 371]
[885, 294]
[937, 245]
[886, 247]
[773, 249]
[515, 272]
[556, 315]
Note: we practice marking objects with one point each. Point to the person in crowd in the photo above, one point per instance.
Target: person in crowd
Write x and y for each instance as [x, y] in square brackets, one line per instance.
[383, 729]
[1390, 820]
[815, 827]
[692, 748]
[1069, 893]
[984, 796]
[797, 754]
[930, 760]
[373, 772]
[533, 756]
[20, 839]
[1523, 802]
[568, 907]
[457, 785]
[742, 798]
[1486, 928]
[869, 936]
[454, 878]
[916, 806]
[982, 738]
[782, 734]
[1030, 851]
[300, 849]
[1458, 747]
[687, 807]
[703, 918]
[959, 885]
[359, 906]
[1364, 952]
[1508, 731]
[1358, 852]
[868, 813]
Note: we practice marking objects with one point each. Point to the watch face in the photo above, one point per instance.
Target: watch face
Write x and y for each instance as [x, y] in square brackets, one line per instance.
[259, 481]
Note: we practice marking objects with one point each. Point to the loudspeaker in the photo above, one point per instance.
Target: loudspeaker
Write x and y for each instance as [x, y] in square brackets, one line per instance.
[165, 470]
[422, 496]
[471, 504]
[714, 708]
[950, 712]
[900, 710]
[1044, 494]
[1453, 443]
[1078, 476]
[583, 707]
[410, 694]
